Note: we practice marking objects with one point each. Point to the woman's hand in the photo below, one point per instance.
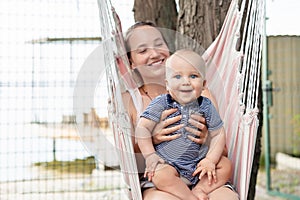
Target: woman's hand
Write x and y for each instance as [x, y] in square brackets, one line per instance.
[201, 132]
[161, 133]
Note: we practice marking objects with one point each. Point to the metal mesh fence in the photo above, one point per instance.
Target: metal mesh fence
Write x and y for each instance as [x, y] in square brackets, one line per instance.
[46, 152]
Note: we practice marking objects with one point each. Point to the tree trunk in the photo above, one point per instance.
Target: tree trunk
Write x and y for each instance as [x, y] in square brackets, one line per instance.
[162, 12]
[201, 19]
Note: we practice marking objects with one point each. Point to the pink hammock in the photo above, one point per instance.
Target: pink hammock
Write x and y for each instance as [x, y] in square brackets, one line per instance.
[233, 79]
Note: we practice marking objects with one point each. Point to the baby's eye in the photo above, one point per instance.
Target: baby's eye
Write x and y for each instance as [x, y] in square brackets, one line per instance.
[193, 76]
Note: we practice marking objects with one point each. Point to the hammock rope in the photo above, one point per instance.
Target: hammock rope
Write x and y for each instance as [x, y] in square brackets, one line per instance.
[233, 78]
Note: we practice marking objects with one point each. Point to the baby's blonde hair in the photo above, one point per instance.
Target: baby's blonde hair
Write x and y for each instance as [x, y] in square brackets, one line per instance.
[191, 57]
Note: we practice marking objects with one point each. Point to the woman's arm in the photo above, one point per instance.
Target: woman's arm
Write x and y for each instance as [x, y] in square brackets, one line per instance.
[131, 111]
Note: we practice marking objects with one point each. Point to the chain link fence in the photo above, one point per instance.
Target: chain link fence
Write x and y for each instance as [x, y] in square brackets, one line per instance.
[46, 152]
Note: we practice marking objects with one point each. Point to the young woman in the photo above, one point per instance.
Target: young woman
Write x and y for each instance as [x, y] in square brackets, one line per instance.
[147, 53]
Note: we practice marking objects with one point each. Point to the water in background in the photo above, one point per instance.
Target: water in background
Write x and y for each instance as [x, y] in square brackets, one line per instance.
[21, 142]
[21, 148]
[20, 145]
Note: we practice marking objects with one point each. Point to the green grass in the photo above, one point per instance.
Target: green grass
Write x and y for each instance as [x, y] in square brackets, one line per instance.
[84, 166]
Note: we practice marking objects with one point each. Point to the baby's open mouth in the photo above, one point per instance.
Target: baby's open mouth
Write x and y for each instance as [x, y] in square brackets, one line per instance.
[186, 91]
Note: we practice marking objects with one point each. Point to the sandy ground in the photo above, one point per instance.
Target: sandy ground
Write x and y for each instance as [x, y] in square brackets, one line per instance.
[106, 185]
[99, 185]
[285, 181]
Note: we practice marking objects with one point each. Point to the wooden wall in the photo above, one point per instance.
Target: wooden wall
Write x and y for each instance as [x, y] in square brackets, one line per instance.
[284, 66]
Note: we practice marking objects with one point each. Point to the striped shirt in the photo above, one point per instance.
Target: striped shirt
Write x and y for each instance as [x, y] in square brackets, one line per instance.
[182, 153]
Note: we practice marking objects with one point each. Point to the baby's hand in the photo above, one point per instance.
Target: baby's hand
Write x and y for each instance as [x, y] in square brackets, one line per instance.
[152, 161]
[205, 166]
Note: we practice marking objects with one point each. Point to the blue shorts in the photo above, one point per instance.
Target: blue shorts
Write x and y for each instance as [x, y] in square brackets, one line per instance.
[145, 184]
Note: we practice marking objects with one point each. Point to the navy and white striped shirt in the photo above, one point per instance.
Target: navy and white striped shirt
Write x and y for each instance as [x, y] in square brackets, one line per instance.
[182, 153]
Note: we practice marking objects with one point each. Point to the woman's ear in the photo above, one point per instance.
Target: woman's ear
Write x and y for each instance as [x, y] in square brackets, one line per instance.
[129, 57]
[132, 65]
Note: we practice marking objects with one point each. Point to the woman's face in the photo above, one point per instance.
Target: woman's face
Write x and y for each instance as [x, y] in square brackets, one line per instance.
[148, 52]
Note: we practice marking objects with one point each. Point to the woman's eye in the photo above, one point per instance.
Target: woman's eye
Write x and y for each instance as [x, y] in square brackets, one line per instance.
[143, 50]
[159, 44]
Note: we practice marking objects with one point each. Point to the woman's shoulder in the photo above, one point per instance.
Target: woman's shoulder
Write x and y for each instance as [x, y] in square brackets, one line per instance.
[129, 106]
[162, 96]
[126, 95]
[206, 93]
[161, 99]
[205, 103]
[204, 100]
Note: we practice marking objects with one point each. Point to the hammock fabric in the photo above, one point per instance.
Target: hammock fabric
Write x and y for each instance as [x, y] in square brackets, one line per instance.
[233, 78]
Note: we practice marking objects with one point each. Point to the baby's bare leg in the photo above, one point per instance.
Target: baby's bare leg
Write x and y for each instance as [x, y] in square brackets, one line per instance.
[223, 170]
[223, 193]
[200, 193]
[166, 178]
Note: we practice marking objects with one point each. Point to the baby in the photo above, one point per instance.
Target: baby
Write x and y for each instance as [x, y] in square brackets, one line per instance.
[177, 162]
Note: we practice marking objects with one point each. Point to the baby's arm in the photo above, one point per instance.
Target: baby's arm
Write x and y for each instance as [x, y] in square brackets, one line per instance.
[144, 138]
[143, 135]
[216, 147]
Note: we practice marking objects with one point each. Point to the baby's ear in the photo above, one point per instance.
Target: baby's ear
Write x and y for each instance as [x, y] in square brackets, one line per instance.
[204, 84]
[167, 85]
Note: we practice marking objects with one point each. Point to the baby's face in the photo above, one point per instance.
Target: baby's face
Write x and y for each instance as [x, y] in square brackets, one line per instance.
[184, 82]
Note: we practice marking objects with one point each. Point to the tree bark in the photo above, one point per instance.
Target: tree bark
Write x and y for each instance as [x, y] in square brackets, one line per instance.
[201, 19]
[162, 12]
